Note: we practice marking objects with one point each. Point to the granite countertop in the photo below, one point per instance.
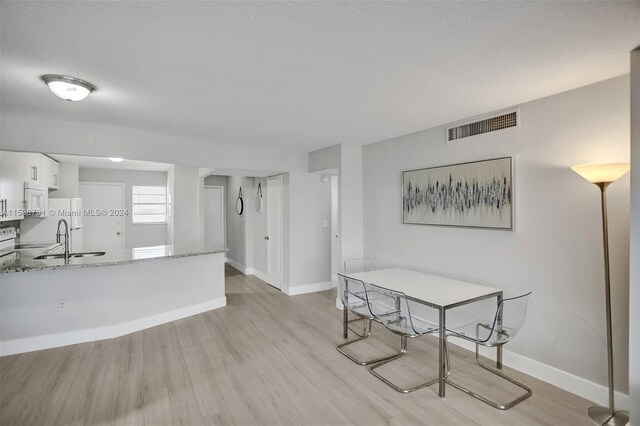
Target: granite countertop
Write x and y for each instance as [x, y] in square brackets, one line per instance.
[23, 260]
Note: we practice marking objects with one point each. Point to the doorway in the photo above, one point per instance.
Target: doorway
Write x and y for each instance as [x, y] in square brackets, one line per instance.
[104, 225]
[214, 217]
[274, 231]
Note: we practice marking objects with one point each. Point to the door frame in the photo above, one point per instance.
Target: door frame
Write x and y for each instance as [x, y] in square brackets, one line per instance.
[124, 205]
[224, 210]
[280, 179]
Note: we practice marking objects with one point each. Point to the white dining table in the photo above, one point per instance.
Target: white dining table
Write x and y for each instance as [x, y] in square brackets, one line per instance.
[437, 292]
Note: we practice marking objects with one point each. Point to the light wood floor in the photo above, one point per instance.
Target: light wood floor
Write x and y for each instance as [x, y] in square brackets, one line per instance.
[266, 359]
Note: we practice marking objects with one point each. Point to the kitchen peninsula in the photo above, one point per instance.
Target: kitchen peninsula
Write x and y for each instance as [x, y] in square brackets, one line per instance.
[50, 303]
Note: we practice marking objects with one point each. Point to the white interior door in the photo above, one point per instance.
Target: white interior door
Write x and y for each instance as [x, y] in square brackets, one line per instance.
[274, 228]
[103, 232]
[335, 242]
[214, 215]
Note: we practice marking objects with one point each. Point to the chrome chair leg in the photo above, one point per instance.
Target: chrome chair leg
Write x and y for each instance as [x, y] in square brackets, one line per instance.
[364, 323]
[506, 406]
[373, 371]
[371, 361]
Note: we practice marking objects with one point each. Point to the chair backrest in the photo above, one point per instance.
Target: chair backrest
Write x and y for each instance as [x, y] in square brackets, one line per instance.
[353, 293]
[509, 318]
[392, 309]
[351, 266]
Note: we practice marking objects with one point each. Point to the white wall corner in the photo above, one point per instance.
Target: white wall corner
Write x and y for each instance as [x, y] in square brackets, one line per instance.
[240, 267]
[260, 275]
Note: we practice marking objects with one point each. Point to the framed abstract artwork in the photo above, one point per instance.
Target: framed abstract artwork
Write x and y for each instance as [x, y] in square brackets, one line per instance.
[476, 194]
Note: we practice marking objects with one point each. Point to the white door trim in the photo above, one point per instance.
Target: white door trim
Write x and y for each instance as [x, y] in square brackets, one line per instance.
[280, 239]
[224, 210]
[124, 205]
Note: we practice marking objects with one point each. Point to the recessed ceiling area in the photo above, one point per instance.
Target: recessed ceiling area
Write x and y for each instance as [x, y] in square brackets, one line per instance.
[305, 75]
[86, 162]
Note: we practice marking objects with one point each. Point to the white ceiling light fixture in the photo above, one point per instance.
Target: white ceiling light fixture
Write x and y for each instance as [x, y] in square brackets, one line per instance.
[68, 88]
[116, 159]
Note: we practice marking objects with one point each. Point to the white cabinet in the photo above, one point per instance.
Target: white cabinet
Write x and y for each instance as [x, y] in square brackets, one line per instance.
[51, 172]
[11, 187]
[6, 186]
[29, 167]
[18, 168]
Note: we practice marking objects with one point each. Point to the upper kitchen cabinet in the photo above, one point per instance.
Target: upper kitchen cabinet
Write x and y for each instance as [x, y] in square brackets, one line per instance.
[11, 187]
[37, 169]
[29, 167]
[51, 172]
[6, 186]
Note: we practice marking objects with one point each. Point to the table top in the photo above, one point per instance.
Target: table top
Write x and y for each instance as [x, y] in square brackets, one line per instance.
[435, 290]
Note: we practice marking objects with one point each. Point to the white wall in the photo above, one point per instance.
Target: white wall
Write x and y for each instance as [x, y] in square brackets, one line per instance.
[310, 256]
[27, 132]
[140, 235]
[326, 158]
[170, 210]
[556, 247]
[347, 160]
[240, 227]
[351, 207]
[186, 204]
[260, 229]
[634, 284]
[69, 182]
[215, 181]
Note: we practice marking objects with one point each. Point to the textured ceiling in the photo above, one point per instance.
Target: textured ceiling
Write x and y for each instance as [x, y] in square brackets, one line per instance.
[305, 75]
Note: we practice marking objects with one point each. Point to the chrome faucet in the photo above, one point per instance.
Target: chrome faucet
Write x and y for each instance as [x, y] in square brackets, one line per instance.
[66, 238]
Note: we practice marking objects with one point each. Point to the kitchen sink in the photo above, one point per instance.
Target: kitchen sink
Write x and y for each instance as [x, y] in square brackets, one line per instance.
[71, 255]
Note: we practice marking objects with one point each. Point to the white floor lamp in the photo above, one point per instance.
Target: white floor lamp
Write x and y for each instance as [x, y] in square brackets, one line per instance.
[603, 175]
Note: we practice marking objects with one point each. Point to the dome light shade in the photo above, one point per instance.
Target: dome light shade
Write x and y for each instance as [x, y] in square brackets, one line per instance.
[602, 173]
[68, 88]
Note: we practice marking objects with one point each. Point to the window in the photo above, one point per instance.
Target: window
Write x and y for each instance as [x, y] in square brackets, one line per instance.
[149, 204]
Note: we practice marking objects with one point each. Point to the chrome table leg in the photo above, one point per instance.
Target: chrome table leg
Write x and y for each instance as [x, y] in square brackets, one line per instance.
[345, 322]
[499, 348]
[442, 367]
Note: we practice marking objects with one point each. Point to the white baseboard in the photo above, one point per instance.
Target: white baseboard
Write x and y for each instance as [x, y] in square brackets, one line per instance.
[237, 265]
[289, 291]
[562, 379]
[37, 343]
[308, 288]
[260, 275]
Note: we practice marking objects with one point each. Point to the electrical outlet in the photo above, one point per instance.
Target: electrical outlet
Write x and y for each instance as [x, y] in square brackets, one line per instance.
[62, 304]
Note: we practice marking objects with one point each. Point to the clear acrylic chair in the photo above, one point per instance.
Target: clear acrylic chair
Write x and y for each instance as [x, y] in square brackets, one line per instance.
[352, 266]
[394, 310]
[507, 321]
[354, 297]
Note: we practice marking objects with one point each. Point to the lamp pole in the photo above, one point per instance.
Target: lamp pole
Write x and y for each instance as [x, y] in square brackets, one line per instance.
[607, 415]
[602, 175]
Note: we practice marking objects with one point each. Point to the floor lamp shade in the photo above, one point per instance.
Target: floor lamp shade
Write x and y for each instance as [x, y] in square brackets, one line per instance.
[602, 175]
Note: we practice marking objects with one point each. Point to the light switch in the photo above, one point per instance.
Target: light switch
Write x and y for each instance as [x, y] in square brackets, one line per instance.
[325, 223]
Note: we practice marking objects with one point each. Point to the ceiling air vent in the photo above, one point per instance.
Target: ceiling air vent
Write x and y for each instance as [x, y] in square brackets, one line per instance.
[499, 122]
